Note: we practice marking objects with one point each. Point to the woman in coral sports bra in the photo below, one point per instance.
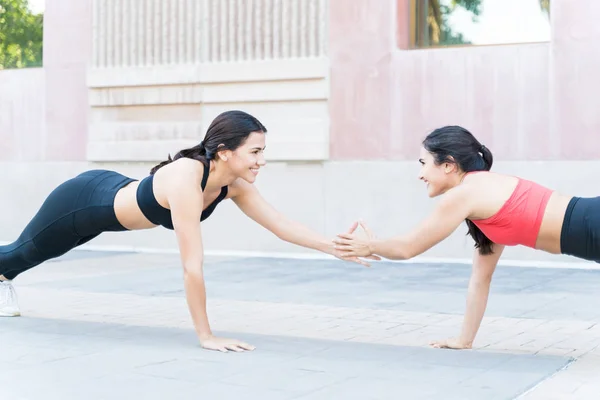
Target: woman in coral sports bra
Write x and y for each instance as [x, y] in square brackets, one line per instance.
[500, 210]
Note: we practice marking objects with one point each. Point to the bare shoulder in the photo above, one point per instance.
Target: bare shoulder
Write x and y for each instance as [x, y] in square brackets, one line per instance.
[491, 182]
[488, 191]
[181, 175]
[457, 196]
[488, 177]
[183, 169]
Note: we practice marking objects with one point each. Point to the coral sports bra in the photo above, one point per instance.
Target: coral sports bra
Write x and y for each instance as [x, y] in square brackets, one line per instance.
[518, 221]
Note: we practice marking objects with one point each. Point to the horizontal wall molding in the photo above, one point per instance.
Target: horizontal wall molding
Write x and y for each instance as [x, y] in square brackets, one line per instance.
[135, 150]
[213, 93]
[253, 71]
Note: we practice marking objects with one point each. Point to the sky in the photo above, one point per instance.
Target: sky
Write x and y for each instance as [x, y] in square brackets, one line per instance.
[37, 6]
[502, 21]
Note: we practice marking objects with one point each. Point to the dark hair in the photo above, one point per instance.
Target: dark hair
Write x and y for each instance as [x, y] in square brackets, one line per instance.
[455, 144]
[228, 131]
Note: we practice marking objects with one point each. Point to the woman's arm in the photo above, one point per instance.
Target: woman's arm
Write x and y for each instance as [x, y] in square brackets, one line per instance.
[186, 204]
[249, 200]
[450, 212]
[477, 297]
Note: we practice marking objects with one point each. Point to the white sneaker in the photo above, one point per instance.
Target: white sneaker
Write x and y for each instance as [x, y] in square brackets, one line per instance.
[9, 307]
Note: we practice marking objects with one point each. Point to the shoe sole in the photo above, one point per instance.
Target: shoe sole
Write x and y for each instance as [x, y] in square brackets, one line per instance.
[10, 314]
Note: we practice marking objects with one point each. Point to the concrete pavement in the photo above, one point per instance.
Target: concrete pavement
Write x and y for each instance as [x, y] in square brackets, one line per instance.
[115, 326]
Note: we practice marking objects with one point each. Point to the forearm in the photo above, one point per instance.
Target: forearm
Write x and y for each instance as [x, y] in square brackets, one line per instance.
[195, 293]
[392, 249]
[477, 298]
[300, 235]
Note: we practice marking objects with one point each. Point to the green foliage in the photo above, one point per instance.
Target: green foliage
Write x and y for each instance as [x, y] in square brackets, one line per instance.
[470, 5]
[545, 6]
[21, 35]
[447, 36]
[441, 34]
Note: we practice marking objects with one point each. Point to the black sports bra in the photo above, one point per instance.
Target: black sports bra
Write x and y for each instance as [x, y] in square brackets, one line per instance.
[159, 215]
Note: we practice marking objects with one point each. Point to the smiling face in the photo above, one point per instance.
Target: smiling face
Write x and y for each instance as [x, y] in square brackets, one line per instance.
[245, 161]
[439, 178]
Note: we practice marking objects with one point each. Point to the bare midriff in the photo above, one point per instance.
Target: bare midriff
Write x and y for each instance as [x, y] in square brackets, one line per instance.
[549, 235]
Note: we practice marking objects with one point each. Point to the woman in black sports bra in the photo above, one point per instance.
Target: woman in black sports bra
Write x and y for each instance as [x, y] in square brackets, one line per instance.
[178, 194]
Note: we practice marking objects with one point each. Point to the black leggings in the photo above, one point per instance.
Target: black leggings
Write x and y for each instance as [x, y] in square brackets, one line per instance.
[580, 234]
[74, 213]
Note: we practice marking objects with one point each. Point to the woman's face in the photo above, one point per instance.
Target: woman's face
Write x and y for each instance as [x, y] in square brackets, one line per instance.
[437, 177]
[247, 159]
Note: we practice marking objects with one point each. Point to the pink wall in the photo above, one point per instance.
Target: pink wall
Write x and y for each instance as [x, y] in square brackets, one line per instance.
[22, 118]
[361, 38]
[499, 93]
[525, 102]
[575, 78]
[67, 50]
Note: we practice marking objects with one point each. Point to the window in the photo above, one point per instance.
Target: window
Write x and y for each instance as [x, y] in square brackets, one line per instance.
[439, 23]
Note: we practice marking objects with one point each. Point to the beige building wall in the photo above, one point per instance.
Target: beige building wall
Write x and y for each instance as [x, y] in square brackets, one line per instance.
[162, 70]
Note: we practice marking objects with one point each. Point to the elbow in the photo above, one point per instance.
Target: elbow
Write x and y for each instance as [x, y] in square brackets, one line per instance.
[281, 234]
[398, 250]
[482, 280]
[194, 276]
[193, 272]
[404, 253]
[402, 256]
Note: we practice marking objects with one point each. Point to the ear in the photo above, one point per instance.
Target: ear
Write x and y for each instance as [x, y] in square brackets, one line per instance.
[223, 154]
[449, 167]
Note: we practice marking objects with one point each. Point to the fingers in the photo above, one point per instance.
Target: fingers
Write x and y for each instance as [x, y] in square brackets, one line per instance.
[345, 242]
[364, 226]
[346, 236]
[239, 347]
[353, 227]
[345, 248]
[447, 344]
[340, 241]
[361, 262]
[373, 257]
[229, 346]
[234, 347]
[355, 260]
[246, 346]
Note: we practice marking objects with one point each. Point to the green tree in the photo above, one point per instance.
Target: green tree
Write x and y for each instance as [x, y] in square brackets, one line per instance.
[21, 35]
[545, 6]
[439, 33]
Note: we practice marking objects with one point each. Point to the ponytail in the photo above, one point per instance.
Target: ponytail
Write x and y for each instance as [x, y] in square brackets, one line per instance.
[487, 156]
[482, 242]
[197, 152]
